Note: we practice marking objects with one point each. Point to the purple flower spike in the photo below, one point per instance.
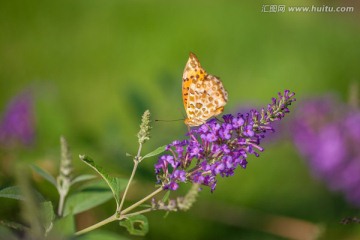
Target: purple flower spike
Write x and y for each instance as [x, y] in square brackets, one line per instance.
[217, 148]
[17, 123]
[327, 133]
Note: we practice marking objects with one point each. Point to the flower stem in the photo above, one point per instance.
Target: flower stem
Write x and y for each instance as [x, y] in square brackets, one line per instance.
[127, 187]
[136, 162]
[141, 201]
[137, 159]
[122, 216]
[97, 225]
[61, 203]
[137, 213]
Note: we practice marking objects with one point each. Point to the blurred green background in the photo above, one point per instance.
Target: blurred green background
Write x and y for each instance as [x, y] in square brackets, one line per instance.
[95, 66]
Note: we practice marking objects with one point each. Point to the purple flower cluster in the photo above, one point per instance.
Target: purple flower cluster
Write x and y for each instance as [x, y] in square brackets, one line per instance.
[327, 133]
[17, 123]
[219, 147]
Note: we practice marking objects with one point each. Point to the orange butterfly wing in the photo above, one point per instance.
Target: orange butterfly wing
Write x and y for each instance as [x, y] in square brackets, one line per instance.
[204, 95]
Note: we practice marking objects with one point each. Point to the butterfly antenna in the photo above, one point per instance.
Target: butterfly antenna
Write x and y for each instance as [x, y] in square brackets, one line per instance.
[182, 113]
[172, 120]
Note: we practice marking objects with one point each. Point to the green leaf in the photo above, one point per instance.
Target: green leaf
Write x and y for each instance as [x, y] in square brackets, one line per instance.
[13, 225]
[44, 174]
[116, 184]
[155, 152]
[30, 207]
[64, 226]
[137, 225]
[47, 215]
[5, 233]
[166, 196]
[12, 192]
[90, 196]
[103, 235]
[82, 178]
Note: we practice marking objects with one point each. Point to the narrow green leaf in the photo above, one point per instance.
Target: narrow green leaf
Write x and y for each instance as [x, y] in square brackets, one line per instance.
[14, 225]
[30, 207]
[82, 178]
[166, 196]
[12, 192]
[47, 176]
[155, 152]
[116, 184]
[47, 215]
[90, 196]
[137, 225]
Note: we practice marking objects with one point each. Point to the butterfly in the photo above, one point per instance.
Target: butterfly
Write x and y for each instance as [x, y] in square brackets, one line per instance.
[204, 95]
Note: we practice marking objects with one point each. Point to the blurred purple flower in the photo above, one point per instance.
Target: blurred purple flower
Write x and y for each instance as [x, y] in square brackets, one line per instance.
[17, 123]
[218, 148]
[327, 133]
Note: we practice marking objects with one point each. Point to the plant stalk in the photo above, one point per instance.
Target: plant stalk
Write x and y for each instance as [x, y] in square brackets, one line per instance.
[61, 203]
[128, 186]
[136, 163]
[97, 225]
[137, 213]
[141, 201]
